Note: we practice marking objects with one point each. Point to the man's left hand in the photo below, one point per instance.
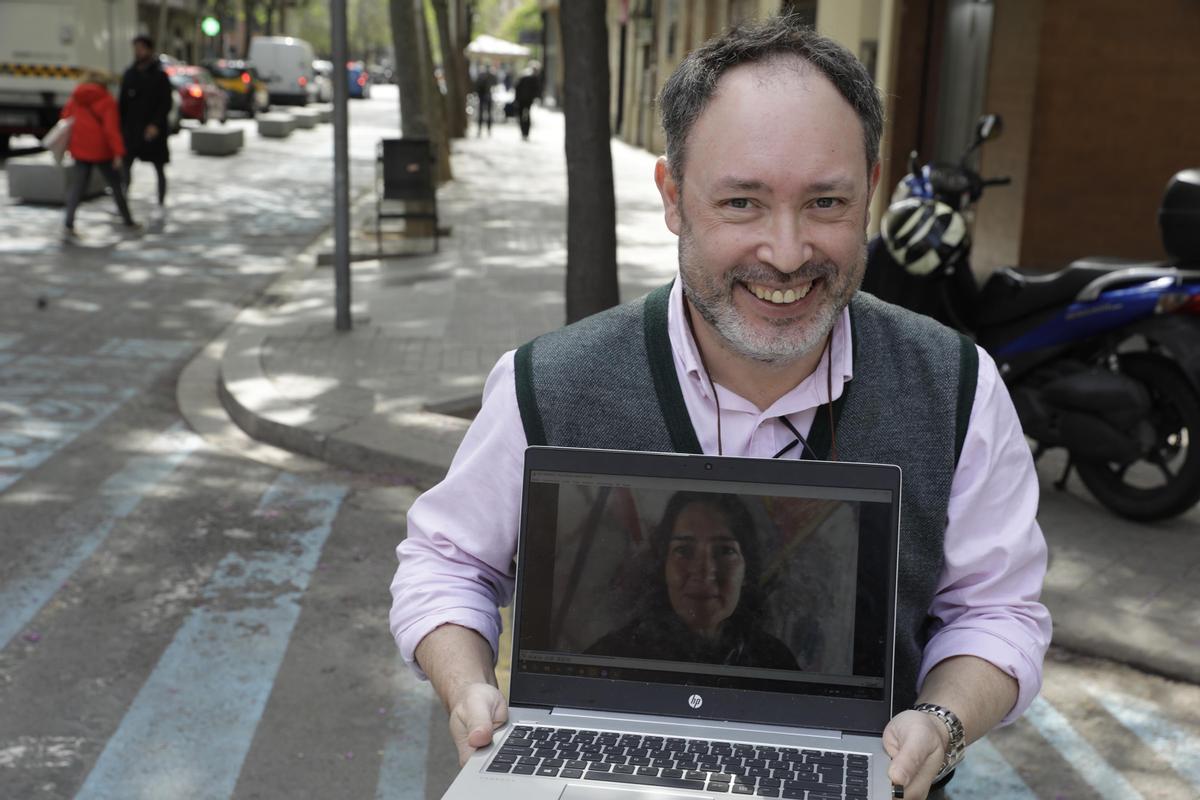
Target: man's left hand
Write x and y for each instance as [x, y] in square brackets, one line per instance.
[917, 743]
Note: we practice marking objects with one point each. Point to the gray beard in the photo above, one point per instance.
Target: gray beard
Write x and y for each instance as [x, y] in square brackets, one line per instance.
[713, 300]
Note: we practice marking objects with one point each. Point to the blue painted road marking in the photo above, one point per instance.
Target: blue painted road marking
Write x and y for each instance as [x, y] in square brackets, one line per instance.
[402, 771]
[1091, 766]
[40, 437]
[188, 730]
[1171, 742]
[59, 558]
[985, 773]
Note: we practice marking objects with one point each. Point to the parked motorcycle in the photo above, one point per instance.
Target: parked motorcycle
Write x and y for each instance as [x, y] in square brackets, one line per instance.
[1101, 357]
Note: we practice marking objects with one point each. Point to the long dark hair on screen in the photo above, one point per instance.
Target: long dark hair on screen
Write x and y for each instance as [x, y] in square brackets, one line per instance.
[751, 607]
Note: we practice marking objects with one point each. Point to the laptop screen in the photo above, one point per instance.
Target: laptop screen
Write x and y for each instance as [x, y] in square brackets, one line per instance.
[707, 582]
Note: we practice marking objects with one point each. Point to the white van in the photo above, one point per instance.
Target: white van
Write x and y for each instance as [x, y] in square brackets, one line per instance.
[45, 45]
[286, 64]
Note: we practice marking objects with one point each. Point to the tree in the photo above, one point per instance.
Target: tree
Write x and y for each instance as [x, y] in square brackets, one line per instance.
[591, 202]
[456, 85]
[420, 118]
[414, 118]
[435, 101]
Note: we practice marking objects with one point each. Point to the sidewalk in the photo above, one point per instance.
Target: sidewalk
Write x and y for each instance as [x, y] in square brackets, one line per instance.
[395, 395]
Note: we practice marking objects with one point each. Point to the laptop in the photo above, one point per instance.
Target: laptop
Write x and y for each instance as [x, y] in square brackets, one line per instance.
[692, 627]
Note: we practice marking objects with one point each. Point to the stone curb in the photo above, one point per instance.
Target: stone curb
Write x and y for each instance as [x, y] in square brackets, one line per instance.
[416, 444]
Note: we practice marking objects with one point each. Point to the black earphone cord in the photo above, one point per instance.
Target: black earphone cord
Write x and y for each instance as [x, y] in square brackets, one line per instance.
[787, 423]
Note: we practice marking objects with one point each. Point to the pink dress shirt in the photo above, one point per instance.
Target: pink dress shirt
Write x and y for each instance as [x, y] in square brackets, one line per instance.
[456, 565]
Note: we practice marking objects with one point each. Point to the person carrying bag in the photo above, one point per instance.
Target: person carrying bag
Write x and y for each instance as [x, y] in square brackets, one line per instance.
[58, 138]
[94, 141]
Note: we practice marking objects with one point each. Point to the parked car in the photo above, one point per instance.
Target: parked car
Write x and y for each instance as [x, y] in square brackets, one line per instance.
[286, 64]
[360, 79]
[201, 98]
[245, 89]
[322, 81]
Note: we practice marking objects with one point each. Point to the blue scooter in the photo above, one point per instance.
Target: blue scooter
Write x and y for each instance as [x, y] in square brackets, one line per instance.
[1101, 357]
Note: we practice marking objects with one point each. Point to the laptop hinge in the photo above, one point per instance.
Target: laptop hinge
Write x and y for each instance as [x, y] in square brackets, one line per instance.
[698, 727]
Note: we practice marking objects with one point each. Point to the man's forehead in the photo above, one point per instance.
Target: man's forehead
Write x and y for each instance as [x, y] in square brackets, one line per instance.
[764, 116]
[783, 74]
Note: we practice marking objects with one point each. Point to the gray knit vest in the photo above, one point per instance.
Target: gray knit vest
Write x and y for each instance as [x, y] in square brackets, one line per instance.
[609, 381]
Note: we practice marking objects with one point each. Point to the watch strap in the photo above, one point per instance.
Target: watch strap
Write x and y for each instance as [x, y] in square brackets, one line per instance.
[956, 745]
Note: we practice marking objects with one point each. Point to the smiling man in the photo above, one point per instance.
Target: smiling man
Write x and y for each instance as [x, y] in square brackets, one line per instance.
[764, 347]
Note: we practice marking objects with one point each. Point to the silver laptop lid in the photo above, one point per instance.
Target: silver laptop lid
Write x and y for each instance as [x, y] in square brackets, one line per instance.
[738, 589]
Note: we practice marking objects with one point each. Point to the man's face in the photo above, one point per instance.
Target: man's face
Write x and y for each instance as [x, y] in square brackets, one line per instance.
[772, 210]
[141, 52]
[705, 569]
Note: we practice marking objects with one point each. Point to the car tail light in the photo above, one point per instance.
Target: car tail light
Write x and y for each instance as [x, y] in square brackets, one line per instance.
[362, 80]
[245, 77]
[195, 91]
[303, 81]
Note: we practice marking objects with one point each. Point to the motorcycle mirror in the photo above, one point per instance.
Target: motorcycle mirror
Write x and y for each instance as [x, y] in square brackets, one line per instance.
[914, 168]
[989, 125]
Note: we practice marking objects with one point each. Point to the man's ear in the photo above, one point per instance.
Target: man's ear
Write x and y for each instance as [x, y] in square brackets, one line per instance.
[669, 189]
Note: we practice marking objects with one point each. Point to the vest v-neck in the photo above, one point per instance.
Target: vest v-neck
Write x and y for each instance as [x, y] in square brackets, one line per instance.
[662, 368]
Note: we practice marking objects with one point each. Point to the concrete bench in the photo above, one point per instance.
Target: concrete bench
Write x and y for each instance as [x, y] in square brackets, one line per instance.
[306, 117]
[221, 141]
[37, 179]
[324, 112]
[276, 125]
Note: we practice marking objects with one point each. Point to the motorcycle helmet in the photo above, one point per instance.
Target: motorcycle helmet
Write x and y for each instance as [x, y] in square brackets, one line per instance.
[924, 236]
[913, 185]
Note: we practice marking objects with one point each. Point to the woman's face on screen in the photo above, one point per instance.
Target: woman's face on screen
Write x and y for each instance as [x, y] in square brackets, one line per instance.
[705, 568]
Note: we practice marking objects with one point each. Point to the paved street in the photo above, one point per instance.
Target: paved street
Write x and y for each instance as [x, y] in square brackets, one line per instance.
[188, 614]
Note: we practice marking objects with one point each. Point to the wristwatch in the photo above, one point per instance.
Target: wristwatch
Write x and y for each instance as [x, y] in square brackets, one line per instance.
[957, 745]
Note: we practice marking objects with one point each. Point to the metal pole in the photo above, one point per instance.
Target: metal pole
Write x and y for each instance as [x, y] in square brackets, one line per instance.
[341, 166]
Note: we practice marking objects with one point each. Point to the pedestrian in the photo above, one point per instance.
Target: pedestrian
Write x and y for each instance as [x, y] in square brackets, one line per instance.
[529, 89]
[485, 81]
[145, 107]
[762, 343]
[95, 144]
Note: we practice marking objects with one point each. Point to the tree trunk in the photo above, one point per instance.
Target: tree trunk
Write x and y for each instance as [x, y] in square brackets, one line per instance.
[249, 10]
[591, 204]
[160, 40]
[414, 120]
[435, 102]
[417, 117]
[456, 92]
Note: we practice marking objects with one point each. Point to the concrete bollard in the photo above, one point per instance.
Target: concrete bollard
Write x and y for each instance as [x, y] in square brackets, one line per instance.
[276, 125]
[222, 141]
[37, 179]
[306, 117]
[324, 112]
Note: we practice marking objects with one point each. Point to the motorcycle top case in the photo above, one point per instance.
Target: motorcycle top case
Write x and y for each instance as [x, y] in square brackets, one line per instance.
[1179, 217]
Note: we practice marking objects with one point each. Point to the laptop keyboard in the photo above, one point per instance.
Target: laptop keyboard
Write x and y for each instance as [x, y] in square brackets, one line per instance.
[707, 765]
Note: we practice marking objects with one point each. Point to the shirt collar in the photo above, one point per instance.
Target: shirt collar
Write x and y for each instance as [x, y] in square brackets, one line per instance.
[809, 393]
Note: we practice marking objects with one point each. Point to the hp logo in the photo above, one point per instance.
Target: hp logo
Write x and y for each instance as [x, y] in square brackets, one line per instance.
[695, 701]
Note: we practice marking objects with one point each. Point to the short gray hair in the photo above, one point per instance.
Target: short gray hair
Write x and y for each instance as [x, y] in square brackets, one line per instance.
[687, 92]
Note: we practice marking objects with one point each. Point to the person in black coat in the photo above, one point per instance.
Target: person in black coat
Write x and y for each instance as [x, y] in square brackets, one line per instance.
[529, 89]
[144, 105]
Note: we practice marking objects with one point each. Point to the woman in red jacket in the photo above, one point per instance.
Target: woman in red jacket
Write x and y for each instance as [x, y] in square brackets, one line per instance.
[95, 142]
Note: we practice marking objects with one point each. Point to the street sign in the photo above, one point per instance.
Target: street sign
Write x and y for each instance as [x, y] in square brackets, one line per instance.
[211, 26]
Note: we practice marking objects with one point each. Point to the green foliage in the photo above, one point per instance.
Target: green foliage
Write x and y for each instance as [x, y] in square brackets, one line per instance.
[367, 25]
[525, 18]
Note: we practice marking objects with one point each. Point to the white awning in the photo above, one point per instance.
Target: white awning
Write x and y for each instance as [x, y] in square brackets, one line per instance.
[485, 45]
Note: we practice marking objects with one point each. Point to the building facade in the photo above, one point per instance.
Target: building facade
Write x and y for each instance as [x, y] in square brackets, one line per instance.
[1098, 97]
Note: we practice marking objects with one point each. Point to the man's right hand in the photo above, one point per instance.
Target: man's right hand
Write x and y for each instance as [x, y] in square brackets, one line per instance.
[479, 710]
[151, 133]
